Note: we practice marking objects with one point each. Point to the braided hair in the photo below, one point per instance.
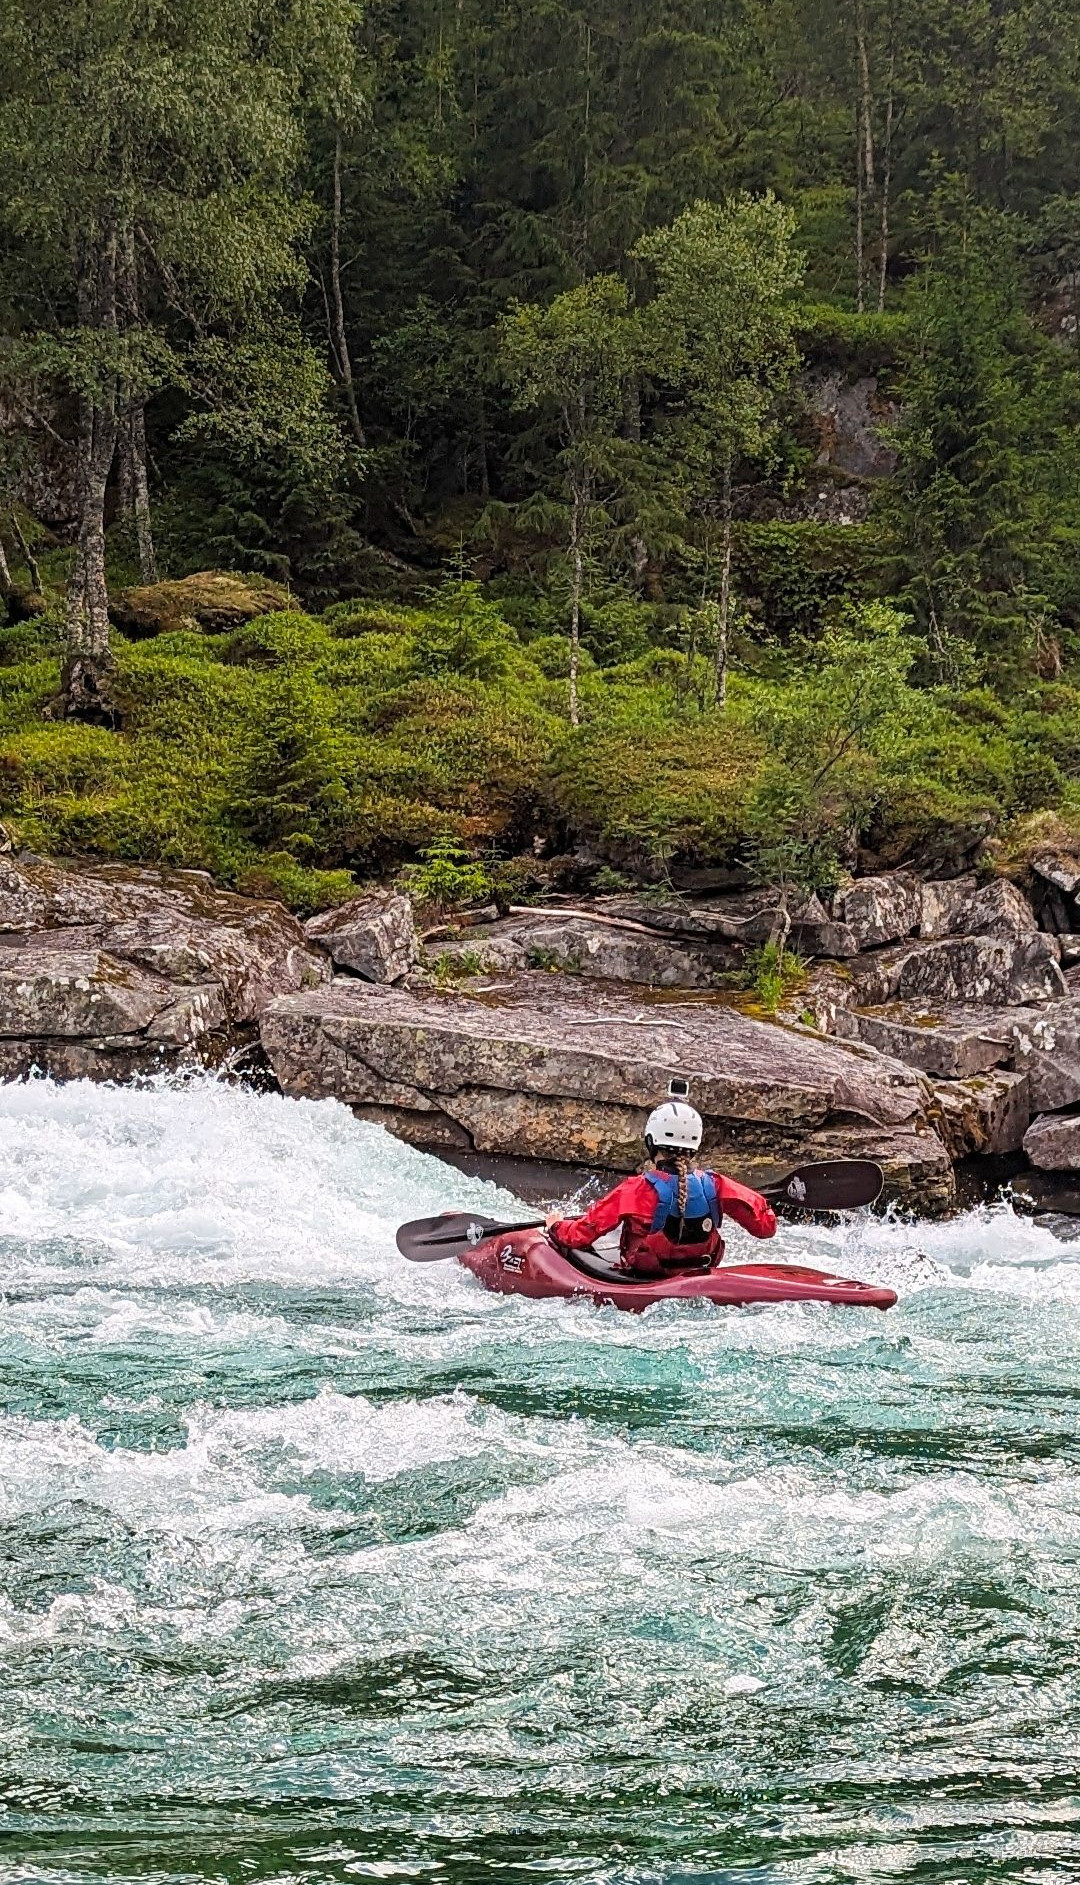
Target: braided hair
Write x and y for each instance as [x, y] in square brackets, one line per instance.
[678, 1162]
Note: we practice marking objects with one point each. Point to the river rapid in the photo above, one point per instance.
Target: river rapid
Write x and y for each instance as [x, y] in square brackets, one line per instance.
[315, 1565]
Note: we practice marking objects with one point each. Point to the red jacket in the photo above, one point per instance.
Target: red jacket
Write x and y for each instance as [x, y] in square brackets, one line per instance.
[633, 1203]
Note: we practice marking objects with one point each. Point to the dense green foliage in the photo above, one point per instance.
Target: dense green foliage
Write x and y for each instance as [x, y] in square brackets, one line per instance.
[289, 753]
[517, 343]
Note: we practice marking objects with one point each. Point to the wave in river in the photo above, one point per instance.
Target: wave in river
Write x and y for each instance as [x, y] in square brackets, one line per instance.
[319, 1565]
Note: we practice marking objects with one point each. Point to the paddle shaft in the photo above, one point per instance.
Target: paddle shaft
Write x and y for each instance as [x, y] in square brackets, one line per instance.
[834, 1185]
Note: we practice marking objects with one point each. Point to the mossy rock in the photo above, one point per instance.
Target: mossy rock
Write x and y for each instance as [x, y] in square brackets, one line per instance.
[23, 605]
[214, 600]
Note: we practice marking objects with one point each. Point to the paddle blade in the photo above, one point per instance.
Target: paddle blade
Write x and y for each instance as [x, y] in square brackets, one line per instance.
[835, 1185]
[451, 1234]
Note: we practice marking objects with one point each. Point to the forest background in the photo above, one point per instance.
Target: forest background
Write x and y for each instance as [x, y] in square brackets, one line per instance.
[647, 435]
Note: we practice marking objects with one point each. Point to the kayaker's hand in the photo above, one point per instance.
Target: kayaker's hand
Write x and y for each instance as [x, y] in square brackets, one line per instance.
[553, 1217]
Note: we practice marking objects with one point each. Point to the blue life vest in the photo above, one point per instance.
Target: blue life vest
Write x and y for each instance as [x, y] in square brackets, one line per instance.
[700, 1221]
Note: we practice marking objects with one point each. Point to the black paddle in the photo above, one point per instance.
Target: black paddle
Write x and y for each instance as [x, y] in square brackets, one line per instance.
[837, 1185]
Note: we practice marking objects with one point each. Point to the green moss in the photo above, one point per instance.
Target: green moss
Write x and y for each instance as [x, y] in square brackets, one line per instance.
[867, 343]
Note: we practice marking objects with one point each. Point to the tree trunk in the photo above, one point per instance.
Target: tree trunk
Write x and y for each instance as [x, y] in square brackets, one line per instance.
[686, 677]
[723, 615]
[6, 584]
[866, 103]
[859, 263]
[886, 183]
[141, 492]
[135, 487]
[864, 148]
[482, 446]
[85, 691]
[28, 556]
[578, 504]
[339, 337]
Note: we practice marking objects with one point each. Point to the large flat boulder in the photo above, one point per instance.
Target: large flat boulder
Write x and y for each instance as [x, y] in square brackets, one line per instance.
[176, 923]
[597, 948]
[964, 1040]
[547, 1067]
[213, 600]
[947, 1043]
[79, 991]
[70, 1009]
[746, 917]
[373, 935]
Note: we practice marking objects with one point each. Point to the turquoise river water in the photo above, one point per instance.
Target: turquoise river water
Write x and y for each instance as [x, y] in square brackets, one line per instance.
[319, 1566]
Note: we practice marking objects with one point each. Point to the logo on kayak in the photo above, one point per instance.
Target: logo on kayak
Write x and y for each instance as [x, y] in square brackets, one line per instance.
[475, 1233]
[512, 1259]
[797, 1190]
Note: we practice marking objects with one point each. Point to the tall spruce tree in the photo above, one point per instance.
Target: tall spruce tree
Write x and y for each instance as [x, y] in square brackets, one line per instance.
[968, 502]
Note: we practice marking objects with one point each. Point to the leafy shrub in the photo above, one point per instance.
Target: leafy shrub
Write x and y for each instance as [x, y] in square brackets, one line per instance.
[457, 968]
[34, 640]
[866, 342]
[803, 575]
[772, 973]
[465, 634]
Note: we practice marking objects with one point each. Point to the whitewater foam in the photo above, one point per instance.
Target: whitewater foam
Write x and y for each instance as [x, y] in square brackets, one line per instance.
[320, 1560]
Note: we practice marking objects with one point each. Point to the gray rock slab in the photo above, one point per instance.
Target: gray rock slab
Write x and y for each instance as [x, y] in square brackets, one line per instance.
[1053, 1144]
[596, 950]
[549, 1067]
[1008, 971]
[941, 903]
[373, 935]
[1059, 869]
[940, 1043]
[998, 909]
[880, 910]
[57, 992]
[748, 918]
[175, 924]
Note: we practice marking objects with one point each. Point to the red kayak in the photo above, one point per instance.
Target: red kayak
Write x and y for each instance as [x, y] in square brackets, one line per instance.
[527, 1263]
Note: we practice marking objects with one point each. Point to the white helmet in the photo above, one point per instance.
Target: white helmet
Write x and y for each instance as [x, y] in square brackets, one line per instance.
[673, 1127]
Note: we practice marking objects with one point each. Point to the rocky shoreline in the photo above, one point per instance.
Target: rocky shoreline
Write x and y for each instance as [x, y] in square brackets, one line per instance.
[937, 1021]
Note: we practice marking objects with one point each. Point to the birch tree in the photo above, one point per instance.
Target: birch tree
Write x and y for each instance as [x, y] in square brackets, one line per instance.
[721, 332]
[148, 157]
[574, 359]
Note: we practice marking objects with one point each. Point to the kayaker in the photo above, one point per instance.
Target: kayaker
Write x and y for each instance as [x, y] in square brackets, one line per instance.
[671, 1215]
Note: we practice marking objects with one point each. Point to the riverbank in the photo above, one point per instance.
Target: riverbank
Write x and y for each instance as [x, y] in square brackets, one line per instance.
[935, 1022]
